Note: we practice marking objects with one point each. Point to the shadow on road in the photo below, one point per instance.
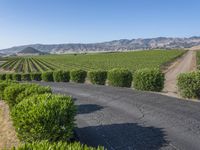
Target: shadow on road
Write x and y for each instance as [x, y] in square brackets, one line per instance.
[123, 136]
[88, 108]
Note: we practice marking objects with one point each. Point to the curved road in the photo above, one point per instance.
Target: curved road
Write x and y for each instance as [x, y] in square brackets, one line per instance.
[125, 119]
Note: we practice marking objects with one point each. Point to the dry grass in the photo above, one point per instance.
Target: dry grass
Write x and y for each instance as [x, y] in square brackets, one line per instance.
[8, 136]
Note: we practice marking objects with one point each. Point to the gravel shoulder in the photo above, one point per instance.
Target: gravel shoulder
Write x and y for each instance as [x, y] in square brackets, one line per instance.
[121, 118]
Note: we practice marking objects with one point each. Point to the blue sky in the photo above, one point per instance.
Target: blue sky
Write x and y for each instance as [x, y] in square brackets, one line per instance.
[85, 21]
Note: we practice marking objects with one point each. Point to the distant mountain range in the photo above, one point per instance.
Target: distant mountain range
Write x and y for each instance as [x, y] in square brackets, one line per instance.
[117, 45]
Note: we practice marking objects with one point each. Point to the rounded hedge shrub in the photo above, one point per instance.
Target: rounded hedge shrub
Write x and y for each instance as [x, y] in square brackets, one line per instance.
[36, 76]
[189, 84]
[9, 76]
[16, 77]
[61, 76]
[120, 77]
[12, 91]
[149, 79]
[2, 76]
[44, 117]
[45, 145]
[78, 75]
[97, 77]
[47, 76]
[26, 77]
[31, 90]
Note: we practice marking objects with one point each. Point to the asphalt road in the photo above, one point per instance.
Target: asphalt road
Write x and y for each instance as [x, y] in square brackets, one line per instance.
[125, 119]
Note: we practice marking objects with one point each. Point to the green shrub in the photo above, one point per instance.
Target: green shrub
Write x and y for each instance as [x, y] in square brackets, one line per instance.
[3, 85]
[78, 75]
[31, 90]
[97, 77]
[120, 77]
[16, 77]
[189, 84]
[47, 76]
[26, 77]
[61, 76]
[44, 117]
[45, 145]
[2, 76]
[12, 91]
[149, 79]
[9, 76]
[36, 76]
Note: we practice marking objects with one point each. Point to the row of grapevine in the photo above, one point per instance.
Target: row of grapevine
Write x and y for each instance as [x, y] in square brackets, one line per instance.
[104, 61]
[27, 65]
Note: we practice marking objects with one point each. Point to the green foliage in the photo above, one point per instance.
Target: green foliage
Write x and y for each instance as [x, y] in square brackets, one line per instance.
[189, 84]
[45, 145]
[16, 77]
[97, 77]
[9, 76]
[36, 76]
[149, 79]
[120, 77]
[12, 91]
[61, 76]
[31, 90]
[26, 77]
[3, 85]
[44, 117]
[198, 60]
[47, 76]
[2, 76]
[78, 75]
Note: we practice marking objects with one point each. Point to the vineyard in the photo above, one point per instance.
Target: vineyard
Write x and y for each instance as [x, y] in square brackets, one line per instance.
[105, 61]
[27, 65]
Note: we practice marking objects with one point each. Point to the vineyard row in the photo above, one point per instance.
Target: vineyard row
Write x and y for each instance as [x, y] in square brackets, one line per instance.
[27, 65]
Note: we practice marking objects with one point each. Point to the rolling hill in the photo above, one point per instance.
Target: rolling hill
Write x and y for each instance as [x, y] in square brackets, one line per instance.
[117, 45]
[30, 51]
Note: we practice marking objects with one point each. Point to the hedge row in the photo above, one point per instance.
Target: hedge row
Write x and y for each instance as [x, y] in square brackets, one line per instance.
[37, 114]
[51, 117]
[189, 84]
[143, 79]
[149, 80]
[45, 145]
[41, 119]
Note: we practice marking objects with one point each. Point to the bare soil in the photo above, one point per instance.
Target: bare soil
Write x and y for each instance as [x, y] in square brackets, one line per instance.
[186, 63]
[8, 136]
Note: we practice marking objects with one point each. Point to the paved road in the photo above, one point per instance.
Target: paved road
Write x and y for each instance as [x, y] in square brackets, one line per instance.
[124, 119]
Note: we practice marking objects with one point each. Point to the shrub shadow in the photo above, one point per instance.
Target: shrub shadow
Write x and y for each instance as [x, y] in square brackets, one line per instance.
[123, 136]
[88, 108]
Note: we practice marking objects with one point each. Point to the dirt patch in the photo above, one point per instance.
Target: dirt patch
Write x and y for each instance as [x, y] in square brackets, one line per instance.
[8, 136]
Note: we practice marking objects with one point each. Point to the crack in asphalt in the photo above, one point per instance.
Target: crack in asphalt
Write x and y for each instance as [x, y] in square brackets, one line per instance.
[129, 119]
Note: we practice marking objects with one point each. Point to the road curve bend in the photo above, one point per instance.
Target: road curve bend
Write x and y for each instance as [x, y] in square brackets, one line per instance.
[125, 119]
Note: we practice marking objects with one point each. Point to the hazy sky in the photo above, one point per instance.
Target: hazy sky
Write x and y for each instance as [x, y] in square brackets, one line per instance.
[65, 21]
